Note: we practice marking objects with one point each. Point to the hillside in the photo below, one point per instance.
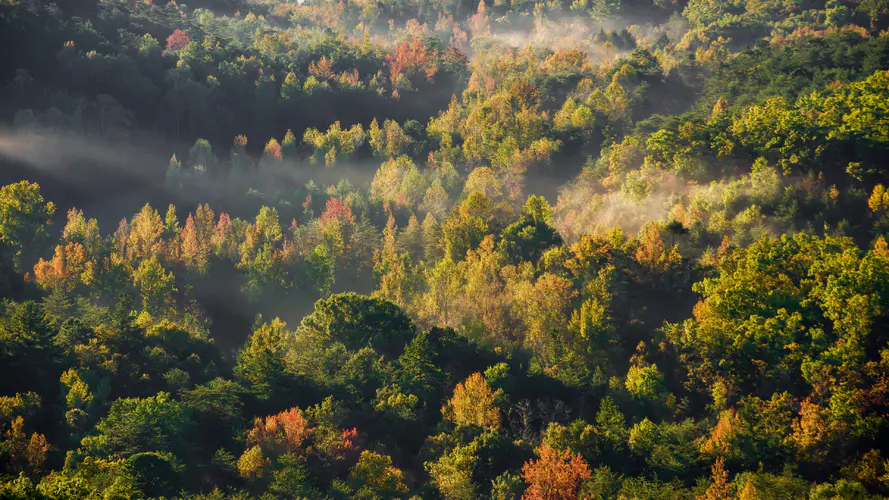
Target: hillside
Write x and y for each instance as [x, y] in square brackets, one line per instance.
[431, 249]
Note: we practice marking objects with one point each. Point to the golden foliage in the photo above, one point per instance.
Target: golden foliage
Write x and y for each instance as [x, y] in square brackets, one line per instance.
[474, 403]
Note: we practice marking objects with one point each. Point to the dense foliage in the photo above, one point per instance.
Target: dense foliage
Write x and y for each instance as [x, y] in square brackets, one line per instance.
[439, 249]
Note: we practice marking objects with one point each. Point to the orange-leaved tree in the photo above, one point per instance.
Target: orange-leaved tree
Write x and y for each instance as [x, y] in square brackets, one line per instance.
[555, 475]
[272, 437]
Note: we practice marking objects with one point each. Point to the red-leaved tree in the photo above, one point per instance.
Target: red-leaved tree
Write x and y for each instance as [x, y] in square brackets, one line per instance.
[177, 41]
[338, 211]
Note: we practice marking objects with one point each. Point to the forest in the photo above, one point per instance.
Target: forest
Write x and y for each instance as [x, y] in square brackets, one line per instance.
[440, 249]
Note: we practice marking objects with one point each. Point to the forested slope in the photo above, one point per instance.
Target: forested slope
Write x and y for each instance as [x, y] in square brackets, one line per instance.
[444, 249]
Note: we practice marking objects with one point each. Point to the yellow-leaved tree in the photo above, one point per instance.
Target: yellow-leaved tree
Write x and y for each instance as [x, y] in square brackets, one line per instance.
[474, 403]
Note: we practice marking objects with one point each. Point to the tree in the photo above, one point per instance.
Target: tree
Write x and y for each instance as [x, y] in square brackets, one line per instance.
[289, 145]
[542, 306]
[778, 133]
[720, 486]
[26, 346]
[156, 474]
[389, 141]
[336, 211]
[465, 229]
[25, 453]
[417, 371]
[651, 254]
[170, 234]
[201, 155]
[279, 434]
[291, 88]
[359, 321]
[593, 326]
[441, 304]
[335, 143]
[272, 154]
[267, 227]
[261, 359]
[474, 403]
[554, 475]
[399, 181]
[192, 255]
[238, 159]
[395, 273]
[24, 216]
[78, 395]
[143, 239]
[843, 488]
[538, 209]
[217, 405]
[432, 245]
[675, 228]
[645, 382]
[68, 268]
[392, 403]
[410, 240]
[85, 232]
[483, 180]
[483, 288]
[252, 464]
[452, 473]
[376, 137]
[156, 285]
[815, 432]
[174, 176]
[223, 240]
[197, 239]
[436, 201]
[20, 488]
[375, 474]
[526, 239]
[291, 479]
[412, 58]
[878, 202]
[134, 425]
[611, 428]
[507, 486]
[177, 41]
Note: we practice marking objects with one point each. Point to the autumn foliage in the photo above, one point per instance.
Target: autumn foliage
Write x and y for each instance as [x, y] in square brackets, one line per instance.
[412, 58]
[336, 210]
[177, 41]
[322, 69]
[272, 151]
[285, 432]
[25, 453]
[492, 205]
[555, 475]
[68, 267]
[474, 403]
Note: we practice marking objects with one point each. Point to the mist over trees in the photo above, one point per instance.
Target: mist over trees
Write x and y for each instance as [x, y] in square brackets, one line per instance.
[438, 249]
